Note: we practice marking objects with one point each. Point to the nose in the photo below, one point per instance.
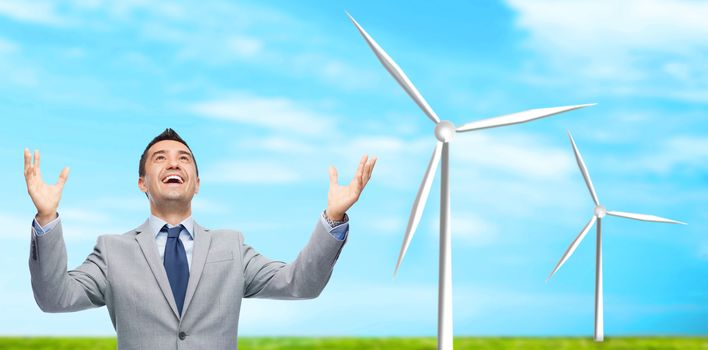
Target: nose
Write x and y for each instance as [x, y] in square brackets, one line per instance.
[173, 163]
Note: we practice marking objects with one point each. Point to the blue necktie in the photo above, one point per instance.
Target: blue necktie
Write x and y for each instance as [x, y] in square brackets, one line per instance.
[176, 265]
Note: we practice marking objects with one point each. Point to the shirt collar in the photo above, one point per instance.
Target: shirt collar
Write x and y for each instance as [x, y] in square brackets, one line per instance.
[156, 225]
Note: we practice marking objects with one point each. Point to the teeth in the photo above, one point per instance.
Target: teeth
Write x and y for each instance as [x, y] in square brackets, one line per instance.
[173, 177]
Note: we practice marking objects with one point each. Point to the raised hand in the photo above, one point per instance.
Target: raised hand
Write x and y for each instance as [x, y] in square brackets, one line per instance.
[341, 198]
[45, 197]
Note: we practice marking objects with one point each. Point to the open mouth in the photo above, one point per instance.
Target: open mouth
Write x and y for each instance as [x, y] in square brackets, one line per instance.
[173, 179]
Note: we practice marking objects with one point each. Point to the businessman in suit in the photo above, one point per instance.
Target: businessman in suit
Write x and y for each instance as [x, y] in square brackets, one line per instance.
[171, 283]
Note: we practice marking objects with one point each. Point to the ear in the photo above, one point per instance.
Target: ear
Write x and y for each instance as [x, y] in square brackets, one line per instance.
[141, 184]
[196, 188]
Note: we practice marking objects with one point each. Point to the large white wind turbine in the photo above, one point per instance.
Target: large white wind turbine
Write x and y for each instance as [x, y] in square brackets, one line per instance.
[597, 216]
[444, 132]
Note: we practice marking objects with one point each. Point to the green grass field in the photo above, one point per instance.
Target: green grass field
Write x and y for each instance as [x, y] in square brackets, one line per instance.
[623, 343]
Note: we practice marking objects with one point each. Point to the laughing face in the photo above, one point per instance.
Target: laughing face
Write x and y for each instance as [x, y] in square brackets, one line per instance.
[170, 174]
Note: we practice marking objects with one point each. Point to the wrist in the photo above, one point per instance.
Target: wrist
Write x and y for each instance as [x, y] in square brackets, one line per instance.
[44, 219]
[333, 215]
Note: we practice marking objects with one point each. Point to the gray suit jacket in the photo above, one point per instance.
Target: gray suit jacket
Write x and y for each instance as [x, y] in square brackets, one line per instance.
[125, 273]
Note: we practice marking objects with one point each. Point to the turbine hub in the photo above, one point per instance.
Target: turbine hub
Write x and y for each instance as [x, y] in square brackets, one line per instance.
[600, 211]
[445, 131]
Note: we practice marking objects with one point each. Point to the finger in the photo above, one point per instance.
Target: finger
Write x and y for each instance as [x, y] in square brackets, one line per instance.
[366, 171]
[28, 157]
[360, 170]
[370, 169]
[63, 177]
[36, 162]
[332, 175]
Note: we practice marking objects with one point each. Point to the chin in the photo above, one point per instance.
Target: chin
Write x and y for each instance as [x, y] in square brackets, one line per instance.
[176, 197]
[173, 196]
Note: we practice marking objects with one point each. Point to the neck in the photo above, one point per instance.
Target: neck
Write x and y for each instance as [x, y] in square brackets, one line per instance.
[172, 214]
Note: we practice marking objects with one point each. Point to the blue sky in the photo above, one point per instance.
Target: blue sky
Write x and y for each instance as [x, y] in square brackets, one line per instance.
[269, 95]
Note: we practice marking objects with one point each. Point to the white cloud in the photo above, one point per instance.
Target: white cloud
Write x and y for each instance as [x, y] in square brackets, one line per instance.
[296, 158]
[16, 226]
[334, 70]
[88, 4]
[676, 154]
[75, 231]
[582, 26]
[703, 252]
[74, 53]
[244, 46]
[275, 113]
[522, 155]
[88, 224]
[467, 228]
[386, 144]
[682, 150]
[254, 171]
[508, 169]
[256, 35]
[84, 215]
[206, 48]
[492, 172]
[279, 144]
[41, 12]
[388, 225]
[13, 68]
[635, 47]
[204, 205]
[126, 9]
[7, 46]
[76, 223]
[160, 31]
[137, 203]
[470, 229]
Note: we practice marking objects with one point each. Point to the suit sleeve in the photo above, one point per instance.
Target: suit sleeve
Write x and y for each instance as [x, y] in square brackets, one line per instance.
[304, 278]
[58, 290]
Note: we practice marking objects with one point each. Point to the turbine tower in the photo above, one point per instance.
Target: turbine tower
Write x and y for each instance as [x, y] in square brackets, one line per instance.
[444, 132]
[598, 213]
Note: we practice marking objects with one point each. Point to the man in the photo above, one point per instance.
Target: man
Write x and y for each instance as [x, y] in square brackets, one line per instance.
[170, 283]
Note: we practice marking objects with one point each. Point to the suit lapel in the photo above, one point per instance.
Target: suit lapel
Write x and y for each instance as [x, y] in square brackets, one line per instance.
[202, 241]
[147, 244]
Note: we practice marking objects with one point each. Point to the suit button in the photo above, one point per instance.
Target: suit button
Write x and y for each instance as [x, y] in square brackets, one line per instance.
[182, 335]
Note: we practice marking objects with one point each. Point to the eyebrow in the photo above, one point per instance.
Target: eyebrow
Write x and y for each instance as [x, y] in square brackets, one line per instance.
[181, 152]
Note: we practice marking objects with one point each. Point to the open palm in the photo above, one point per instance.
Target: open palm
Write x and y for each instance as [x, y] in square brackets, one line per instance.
[341, 198]
[44, 196]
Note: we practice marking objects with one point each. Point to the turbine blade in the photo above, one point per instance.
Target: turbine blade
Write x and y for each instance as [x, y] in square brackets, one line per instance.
[584, 170]
[644, 217]
[573, 246]
[519, 117]
[397, 73]
[419, 204]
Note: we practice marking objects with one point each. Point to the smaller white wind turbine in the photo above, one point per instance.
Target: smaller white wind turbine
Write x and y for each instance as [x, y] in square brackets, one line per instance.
[597, 216]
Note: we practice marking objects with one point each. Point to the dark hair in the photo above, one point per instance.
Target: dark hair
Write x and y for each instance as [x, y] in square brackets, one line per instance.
[167, 135]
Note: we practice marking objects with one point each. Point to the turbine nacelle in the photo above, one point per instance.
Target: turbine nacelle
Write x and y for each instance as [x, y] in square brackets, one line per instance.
[445, 131]
[600, 211]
